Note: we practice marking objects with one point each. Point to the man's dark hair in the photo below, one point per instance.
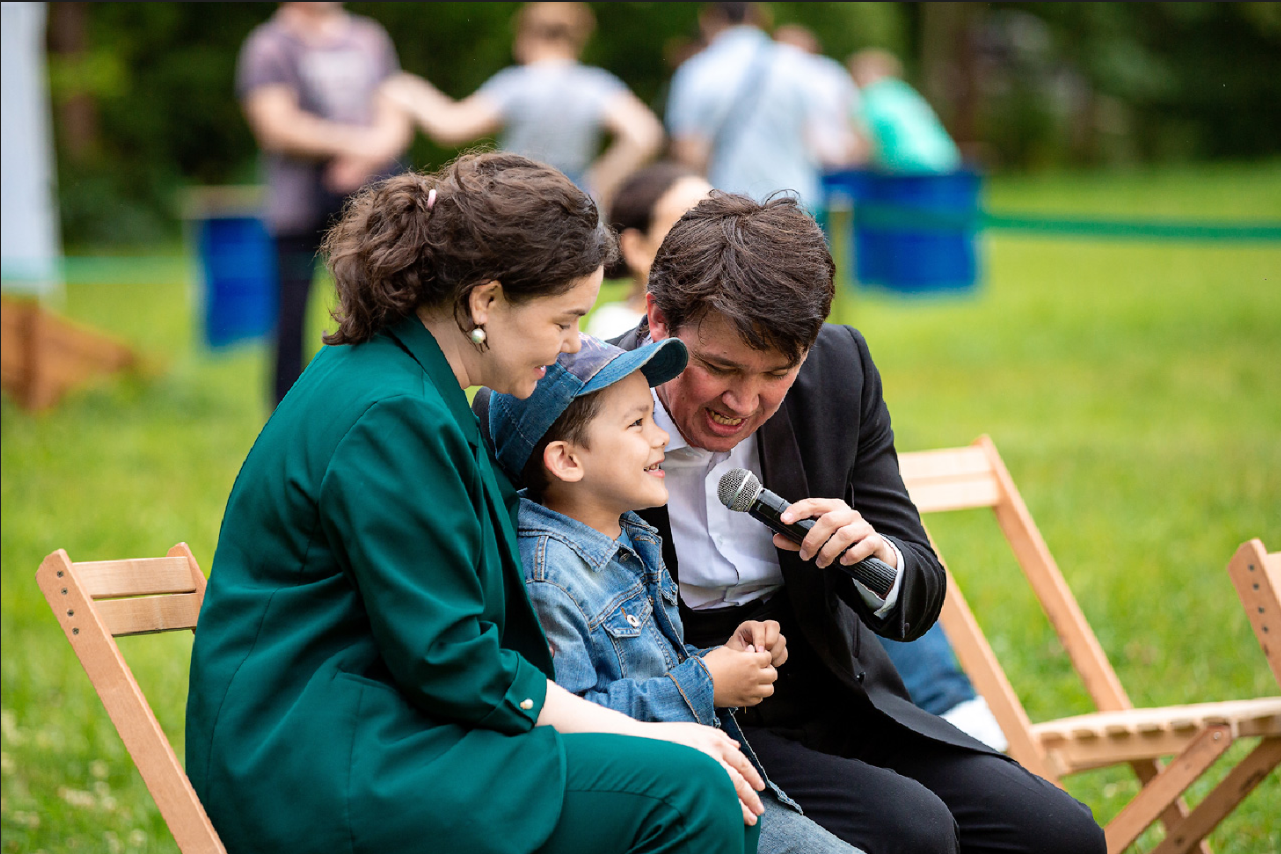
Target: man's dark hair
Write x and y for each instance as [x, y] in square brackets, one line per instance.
[570, 426]
[734, 13]
[763, 267]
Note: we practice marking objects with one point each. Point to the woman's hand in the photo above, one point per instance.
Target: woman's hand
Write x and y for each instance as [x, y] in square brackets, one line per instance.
[569, 713]
[740, 677]
[716, 744]
[839, 532]
[755, 635]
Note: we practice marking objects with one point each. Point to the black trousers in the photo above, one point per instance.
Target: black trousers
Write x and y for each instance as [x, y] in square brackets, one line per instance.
[881, 786]
[295, 267]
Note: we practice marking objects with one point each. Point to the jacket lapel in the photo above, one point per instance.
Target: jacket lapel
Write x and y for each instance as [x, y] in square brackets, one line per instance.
[809, 588]
[783, 472]
[499, 498]
[780, 457]
[410, 333]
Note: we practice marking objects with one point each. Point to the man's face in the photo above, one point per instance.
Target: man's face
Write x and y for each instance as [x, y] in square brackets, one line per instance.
[729, 389]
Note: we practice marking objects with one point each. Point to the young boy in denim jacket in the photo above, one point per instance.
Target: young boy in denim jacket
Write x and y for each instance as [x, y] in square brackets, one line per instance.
[587, 449]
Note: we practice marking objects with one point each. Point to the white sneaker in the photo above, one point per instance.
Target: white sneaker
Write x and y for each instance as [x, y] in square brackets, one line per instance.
[975, 719]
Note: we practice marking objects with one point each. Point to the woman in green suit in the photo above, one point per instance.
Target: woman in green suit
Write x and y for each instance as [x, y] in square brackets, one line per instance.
[369, 675]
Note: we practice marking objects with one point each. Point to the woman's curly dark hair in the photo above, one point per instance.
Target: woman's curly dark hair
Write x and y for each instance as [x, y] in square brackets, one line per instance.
[496, 217]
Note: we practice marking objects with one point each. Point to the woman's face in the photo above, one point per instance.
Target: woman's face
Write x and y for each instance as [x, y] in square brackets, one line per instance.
[525, 337]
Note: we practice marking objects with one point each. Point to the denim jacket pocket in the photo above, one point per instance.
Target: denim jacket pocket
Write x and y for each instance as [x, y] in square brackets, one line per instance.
[628, 619]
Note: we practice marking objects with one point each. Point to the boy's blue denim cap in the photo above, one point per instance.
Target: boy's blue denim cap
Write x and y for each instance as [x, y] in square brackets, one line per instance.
[516, 425]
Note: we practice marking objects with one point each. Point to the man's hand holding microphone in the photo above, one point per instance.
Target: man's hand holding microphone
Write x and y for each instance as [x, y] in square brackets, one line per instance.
[840, 535]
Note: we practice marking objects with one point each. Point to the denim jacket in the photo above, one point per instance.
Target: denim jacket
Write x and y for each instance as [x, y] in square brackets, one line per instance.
[612, 621]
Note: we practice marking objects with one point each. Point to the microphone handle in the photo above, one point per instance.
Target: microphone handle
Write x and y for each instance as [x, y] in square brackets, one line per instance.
[768, 508]
[872, 573]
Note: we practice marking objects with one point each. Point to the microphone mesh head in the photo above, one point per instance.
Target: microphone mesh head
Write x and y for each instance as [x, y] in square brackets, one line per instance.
[737, 489]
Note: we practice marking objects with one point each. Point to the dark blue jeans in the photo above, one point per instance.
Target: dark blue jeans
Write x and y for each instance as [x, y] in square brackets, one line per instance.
[930, 671]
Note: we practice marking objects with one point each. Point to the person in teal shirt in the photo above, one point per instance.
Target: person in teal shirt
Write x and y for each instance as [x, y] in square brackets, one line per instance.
[904, 133]
[369, 674]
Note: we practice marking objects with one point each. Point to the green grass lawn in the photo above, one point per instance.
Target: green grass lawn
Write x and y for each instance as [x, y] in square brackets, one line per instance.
[1134, 390]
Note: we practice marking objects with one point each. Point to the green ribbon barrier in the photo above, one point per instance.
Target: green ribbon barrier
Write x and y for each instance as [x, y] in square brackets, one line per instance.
[902, 218]
[870, 215]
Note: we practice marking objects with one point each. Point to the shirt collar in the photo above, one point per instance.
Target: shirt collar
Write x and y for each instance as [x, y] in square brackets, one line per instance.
[596, 549]
[675, 441]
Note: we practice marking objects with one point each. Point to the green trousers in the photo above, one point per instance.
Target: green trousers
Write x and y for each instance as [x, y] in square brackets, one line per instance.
[628, 795]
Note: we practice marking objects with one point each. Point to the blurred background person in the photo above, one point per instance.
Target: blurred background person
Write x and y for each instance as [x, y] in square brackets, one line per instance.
[550, 107]
[309, 81]
[832, 134]
[741, 110]
[645, 208]
[904, 132]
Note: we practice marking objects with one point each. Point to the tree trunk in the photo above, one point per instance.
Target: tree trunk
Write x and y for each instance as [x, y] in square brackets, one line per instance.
[77, 124]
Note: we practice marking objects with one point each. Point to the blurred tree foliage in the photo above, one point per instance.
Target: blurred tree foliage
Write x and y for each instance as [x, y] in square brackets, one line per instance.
[144, 104]
[1124, 82]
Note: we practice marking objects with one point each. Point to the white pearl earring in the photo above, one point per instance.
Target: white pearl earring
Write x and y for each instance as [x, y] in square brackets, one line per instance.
[478, 337]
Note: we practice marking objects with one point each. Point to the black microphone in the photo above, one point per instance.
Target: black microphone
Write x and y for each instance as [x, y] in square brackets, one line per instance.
[741, 491]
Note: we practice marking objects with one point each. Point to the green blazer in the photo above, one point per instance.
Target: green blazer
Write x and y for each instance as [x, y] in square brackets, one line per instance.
[368, 669]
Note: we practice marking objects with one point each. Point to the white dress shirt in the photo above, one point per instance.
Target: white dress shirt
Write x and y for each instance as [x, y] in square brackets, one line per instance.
[725, 557]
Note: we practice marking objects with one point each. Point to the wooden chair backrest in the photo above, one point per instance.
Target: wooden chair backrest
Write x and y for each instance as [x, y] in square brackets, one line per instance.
[1257, 577]
[96, 602]
[975, 476]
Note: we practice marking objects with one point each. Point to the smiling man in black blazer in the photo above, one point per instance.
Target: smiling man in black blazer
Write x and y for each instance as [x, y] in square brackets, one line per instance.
[772, 388]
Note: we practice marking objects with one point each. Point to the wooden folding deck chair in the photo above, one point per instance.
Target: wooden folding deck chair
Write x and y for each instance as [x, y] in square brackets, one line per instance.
[98, 601]
[1195, 735]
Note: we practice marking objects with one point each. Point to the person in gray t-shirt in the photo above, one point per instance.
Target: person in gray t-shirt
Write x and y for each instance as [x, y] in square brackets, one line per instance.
[550, 107]
[309, 82]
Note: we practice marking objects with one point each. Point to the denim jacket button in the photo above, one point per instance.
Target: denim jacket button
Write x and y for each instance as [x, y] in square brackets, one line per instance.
[633, 620]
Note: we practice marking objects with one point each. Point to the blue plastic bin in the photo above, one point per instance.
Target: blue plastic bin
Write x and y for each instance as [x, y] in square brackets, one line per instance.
[913, 233]
[239, 266]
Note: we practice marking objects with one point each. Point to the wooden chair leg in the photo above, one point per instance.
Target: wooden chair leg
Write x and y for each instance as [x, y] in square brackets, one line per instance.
[1166, 787]
[1241, 780]
[1176, 813]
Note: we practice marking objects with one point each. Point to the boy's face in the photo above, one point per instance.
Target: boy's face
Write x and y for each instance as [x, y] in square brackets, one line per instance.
[623, 452]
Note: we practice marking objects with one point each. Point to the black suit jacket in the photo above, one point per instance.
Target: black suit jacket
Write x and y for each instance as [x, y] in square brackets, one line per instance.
[831, 438]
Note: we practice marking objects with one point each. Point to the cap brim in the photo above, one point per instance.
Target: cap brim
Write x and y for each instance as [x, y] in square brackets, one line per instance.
[659, 361]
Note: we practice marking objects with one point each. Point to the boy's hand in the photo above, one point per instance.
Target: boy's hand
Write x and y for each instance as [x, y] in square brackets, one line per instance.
[740, 677]
[754, 635]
